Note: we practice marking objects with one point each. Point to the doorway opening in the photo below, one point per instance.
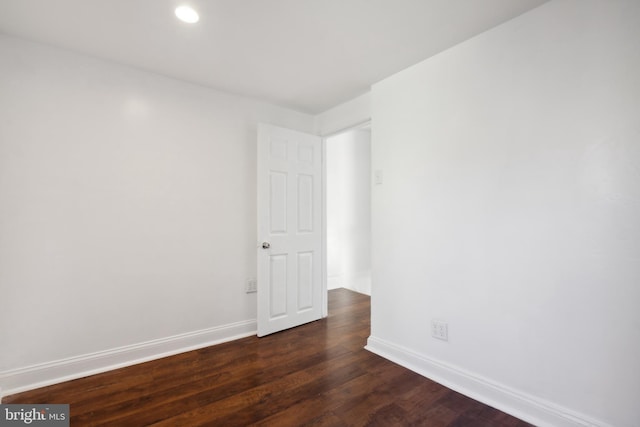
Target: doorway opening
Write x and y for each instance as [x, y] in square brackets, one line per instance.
[348, 209]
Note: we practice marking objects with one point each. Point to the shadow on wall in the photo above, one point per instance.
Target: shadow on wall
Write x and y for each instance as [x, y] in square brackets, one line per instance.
[348, 158]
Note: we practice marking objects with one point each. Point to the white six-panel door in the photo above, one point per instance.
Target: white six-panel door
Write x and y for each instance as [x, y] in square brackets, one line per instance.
[289, 228]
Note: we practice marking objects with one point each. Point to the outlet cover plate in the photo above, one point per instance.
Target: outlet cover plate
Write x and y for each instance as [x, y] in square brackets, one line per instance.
[440, 329]
[251, 286]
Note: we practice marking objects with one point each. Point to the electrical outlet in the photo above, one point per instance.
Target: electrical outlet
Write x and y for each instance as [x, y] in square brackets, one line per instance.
[251, 286]
[440, 330]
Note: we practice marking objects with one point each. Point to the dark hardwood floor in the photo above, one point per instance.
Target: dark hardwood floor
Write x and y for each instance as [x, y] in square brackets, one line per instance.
[316, 374]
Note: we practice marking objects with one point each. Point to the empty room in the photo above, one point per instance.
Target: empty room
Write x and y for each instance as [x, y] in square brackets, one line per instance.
[331, 212]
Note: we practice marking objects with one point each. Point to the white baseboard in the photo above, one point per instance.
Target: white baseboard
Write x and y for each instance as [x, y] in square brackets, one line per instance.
[41, 375]
[334, 282]
[528, 408]
[359, 282]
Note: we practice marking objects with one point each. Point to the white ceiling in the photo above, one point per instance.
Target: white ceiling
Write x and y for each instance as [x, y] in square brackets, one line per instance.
[309, 55]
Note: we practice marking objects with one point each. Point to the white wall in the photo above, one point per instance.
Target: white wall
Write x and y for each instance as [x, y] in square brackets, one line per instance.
[348, 177]
[511, 210]
[346, 115]
[128, 212]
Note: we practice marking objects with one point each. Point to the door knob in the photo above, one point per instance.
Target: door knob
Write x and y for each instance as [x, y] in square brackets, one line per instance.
[266, 245]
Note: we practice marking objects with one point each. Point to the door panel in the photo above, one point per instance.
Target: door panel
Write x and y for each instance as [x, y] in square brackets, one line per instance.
[289, 221]
[278, 202]
[305, 203]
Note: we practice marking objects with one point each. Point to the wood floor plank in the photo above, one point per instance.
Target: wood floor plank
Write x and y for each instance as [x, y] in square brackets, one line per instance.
[315, 375]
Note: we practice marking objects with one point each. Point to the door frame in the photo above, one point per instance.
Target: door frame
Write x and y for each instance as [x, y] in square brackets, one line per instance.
[325, 291]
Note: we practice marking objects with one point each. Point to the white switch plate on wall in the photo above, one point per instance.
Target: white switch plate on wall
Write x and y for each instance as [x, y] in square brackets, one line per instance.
[377, 177]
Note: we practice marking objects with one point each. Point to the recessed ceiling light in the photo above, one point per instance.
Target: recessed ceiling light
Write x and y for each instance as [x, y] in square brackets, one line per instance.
[187, 14]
